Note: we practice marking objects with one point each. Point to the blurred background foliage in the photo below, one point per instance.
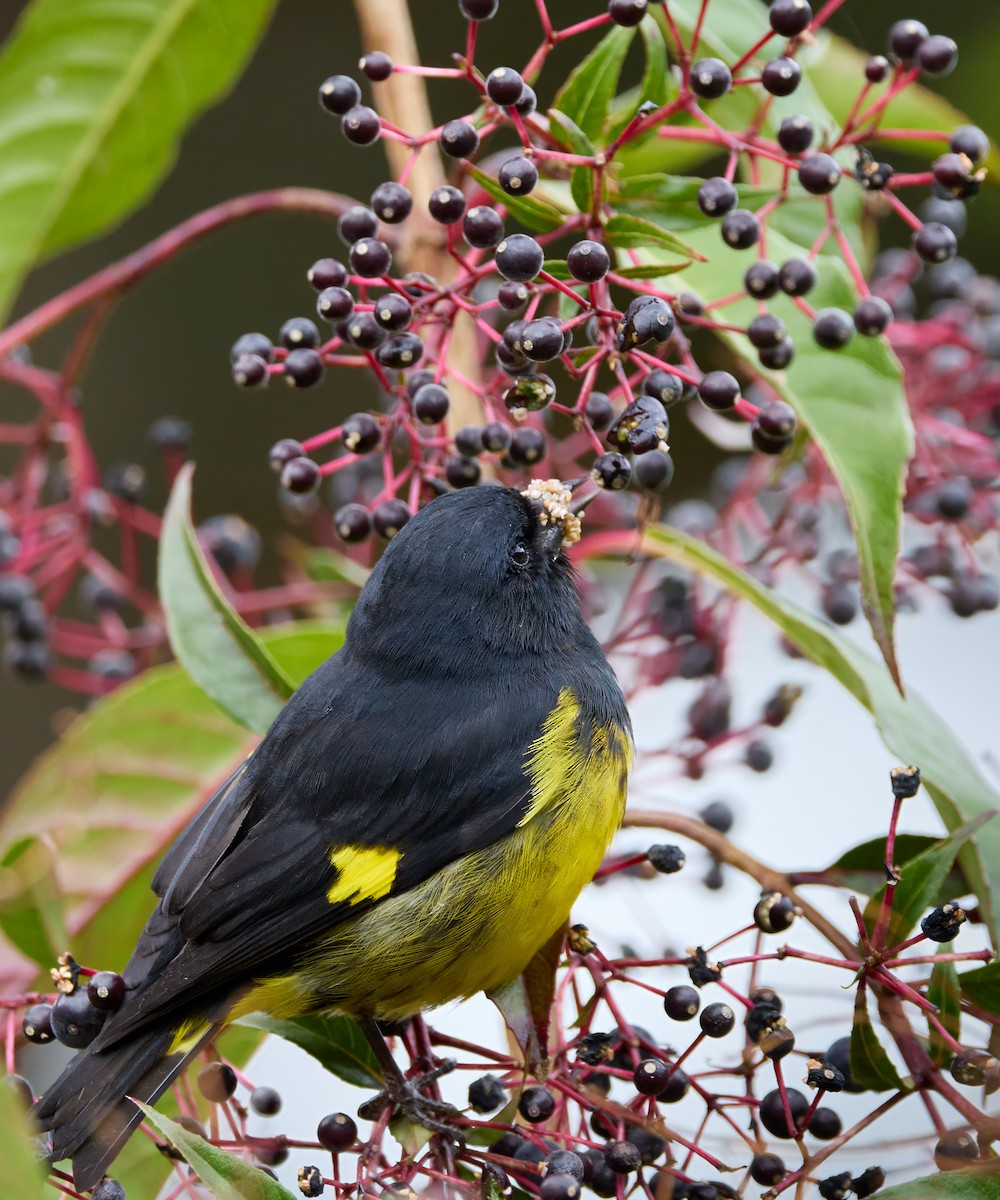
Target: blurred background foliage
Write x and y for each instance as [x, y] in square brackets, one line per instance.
[165, 349]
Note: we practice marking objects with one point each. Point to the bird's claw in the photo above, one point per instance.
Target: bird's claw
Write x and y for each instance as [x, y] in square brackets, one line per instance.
[407, 1099]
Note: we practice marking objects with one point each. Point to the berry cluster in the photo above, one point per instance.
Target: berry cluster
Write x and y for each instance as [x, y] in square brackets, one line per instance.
[722, 1082]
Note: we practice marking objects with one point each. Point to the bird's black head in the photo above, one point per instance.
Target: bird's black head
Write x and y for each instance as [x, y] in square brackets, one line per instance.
[474, 575]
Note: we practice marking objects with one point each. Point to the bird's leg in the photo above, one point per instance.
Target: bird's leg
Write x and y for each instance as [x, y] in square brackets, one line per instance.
[405, 1095]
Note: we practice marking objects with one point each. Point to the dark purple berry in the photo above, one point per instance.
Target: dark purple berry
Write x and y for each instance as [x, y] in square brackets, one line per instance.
[300, 476]
[760, 280]
[360, 433]
[676, 1087]
[650, 1076]
[393, 311]
[588, 261]
[833, 328]
[527, 446]
[249, 371]
[795, 134]
[954, 1150]
[334, 304]
[906, 37]
[740, 229]
[487, 1093]
[282, 453]
[627, 12]
[265, 1101]
[303, 368]
[647, 318]
[772, 1112]
[622, 1157]
[654, 472]
[431, 403]
[519, 258]
[819, 173]
[446, 205]
[512, 295]
[252, 343]
[357, 222]
[719, 390]
[612, 471]
[774, 913]
[781, 76]
[108, 1189]
[390, 517]
[361, 125]
[872, 316]
[797, 277]
[299, 332]
[528, 102]
[106, 990]
[75, 1021]
[336, 1132]
[376, 65]
[877, 69]
[37, 1024]
[766, 331]
[478, 10]
[867, 1183]
[326, 273]
[599, 411]
[482, 227]
[839, 603]
[496, 437]
[362, 330]
[339, 93]
[392, 202]
[710, 78]
[518, 176]
[790, 17]
[469, 440]
[565, 1162]
[935, 243]
[776, 358]
[937, 55]
[681, 1002]
[717, 196]
[458, 139]
[767, 1169]
[370, 258]
[970, 141]
[462, 472]
[400, 351]
[716, 1019]
[541, 340]
[537, 1104]
[352, 523]
[504, 86]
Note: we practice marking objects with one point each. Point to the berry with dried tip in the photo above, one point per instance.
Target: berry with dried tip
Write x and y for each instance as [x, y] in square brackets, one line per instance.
[767, 1169]
[943, 924]
[904, 781]
[392, 202]
[975, 1068]
[250, 371]
[536, 1105]
[486, 1094]
[781, 76]
[716, 1019]
[622, 1157]
[360, 433]
[519, 258]
[504, 86]
[106, 989]
[772, 1112]
[75, 1021]
[710, 78]
[766, 331]
[217, 1082]
[612, 471]
[797, 277]
[324, 273]
[835, 1187]
[298, 332]
[400, 351]
[970, 141]
[303, 368]
[336, 1132]
[310, 1181]
[370, 258]
[588, 261]
[825, 1077]
[717, 196]
[541, 340]
[393, 311]
[647, 318]
[760, 280]
[719, 390]
[458, 139]
[559, 1187]
[774, 913]
[681, 1002]
[339, 93]
[665, 386]
[867, 1183]
[36, 1025]
[740, 229]
[361, 125]
[565, 1162]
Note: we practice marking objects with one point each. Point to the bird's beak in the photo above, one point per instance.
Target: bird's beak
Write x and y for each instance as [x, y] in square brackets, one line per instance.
[553, 535]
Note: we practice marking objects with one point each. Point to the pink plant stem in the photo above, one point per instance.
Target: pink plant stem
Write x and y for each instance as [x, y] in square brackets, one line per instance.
[882, 921]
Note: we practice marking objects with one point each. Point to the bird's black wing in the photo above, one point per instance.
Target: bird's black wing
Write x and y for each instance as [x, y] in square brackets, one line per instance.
[429, 774]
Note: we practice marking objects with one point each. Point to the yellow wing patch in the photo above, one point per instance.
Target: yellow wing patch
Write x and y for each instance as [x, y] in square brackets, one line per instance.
[188, 1036]
[363, 873]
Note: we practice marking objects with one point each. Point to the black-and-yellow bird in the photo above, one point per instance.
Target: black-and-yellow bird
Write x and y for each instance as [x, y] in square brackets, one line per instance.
[417, 822]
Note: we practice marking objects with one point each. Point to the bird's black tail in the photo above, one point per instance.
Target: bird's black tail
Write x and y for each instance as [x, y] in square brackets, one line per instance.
[87, 1109]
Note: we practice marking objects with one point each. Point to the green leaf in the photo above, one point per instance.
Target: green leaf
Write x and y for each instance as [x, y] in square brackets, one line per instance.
[945, 992]
[657, 83]
[572, 138]
[217, 649]
[921, 881]
[226, 1176]
[633, 232]
[650, 272]
[23, 1172]
[30, 906]
[118, 785]
[336, 1042]
[871, 1067]
[948, 1185]
[671, 201]
[532, 212]
[94, 98]
[586, 95]
[982, 986]
[911, 729]
[851, 402]
[862, 868]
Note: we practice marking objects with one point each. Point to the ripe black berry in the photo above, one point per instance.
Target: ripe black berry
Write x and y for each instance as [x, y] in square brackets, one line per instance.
[766, 331]
[665, 386]
[710, 78]
[376, 65]
[877, 68]
[334, 304]
[108, 1189]
[824, 1124]
[462, 472]
[774, 913]
[486, 1094]
[559, 1187]
[362, 330]
[357, 222]
[300, 476]
[283, 452]
[790, 17]
[599, 411]
[833, 328]
[719, 390]
[446, 205]
[867, 1183]
[360, 433]
[953, 500]
[458, 139]
[512, 296]
[717, 196]
[252, 343]
[37, 1024]
[954, 1150]
[75, 1021]
[361, 125]
[393, 311]
[906, 38]
[646, 318]
[835, 1187]
[541, 340]
[390, 517]
[297, 332]
[339, 93]
[430, 404]
[627, 12]
[496, 437]
[303, 368]
[352, 523]
[943, 923]
[370, 258]
[970, 141]
[775, 424]
[537, 1104]
[478, 10]
[819, 173]
[482, 227]
[518, 176]
[767, 1169]
[400, 351]
[717, 1019]
[106, 990]
[622, 1157]
[588, 261]
[761, 280]
[797, 277]
[740, 229]
[872, 316]
[781, 76]
[654, 472]
[528, 102]
[772, 1112]
[324, 273]
[504, 86]
[527, 446]
[681, 1002]
[935, 243]
[937, 55]
[336, 1131]
[392, 202]
[795, 134]
[519, 258]
[651, 1076]
[612, 471]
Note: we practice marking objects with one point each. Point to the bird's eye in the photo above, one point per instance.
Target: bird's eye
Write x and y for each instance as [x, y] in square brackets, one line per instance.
[519, 555]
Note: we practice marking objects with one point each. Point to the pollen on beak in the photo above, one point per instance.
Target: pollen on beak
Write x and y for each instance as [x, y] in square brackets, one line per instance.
[552, 499]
